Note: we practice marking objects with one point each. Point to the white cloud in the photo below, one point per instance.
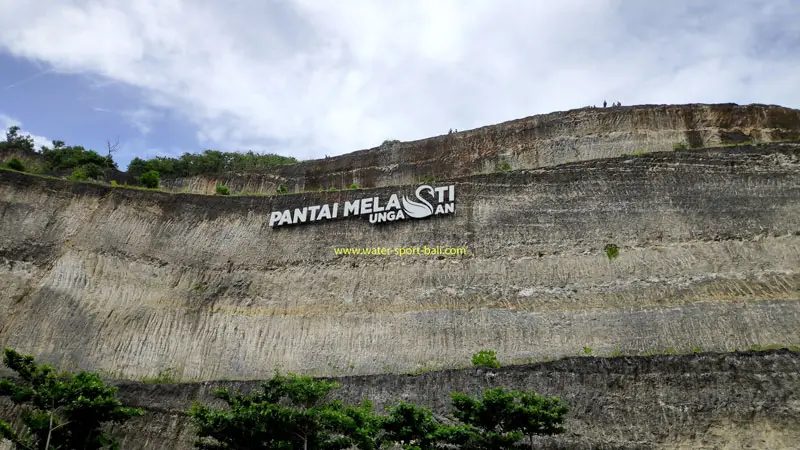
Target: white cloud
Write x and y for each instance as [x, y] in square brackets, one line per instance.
[7, 122]
[332, 77]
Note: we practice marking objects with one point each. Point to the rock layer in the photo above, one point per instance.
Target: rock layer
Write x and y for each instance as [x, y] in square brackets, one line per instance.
[134, 282]
[528, 143]
[708, 401]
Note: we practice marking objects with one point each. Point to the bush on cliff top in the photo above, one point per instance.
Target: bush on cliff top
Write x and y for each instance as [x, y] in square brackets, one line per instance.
[150, 179]
[15, 164]
[17, 142]
[59, 157]
[59, 411]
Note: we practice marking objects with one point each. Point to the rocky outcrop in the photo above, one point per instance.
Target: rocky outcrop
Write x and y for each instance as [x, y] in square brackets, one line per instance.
[134, 281]
[709, 401]
[533, 142]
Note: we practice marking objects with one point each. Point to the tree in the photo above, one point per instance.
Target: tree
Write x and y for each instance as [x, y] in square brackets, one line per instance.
[502, 418]
[150, 179]
[60, 411]
[411, 425]
[416, 429]
[62, 157]
[289, 412]
[15, 141]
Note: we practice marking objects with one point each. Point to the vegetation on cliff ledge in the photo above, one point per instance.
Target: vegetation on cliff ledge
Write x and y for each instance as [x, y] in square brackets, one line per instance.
[208, 162]
[82, 164]
[294, 412]
[64, 411]
[59, 410]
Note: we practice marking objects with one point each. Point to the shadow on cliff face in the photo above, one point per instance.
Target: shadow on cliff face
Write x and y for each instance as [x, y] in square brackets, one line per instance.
[54, 326]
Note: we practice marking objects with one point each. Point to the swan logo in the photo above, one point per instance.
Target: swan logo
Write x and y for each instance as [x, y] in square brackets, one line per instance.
[421, 208]
[427, 201]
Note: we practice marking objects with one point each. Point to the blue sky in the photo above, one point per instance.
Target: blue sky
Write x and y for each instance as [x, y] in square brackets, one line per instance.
[310, 78]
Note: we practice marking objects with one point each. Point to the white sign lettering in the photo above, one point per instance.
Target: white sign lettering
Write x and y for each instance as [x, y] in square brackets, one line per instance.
[428, 201]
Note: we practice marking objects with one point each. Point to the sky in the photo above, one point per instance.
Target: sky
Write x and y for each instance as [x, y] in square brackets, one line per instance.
[309, 78]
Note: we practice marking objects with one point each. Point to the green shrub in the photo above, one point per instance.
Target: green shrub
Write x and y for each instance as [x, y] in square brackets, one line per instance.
[486, 358]
[353, 186]
[282, 189]
[223, 190]
[502, 166]
[680, 146]
[331, 188]
[79, 174]
[612, 251]
[638, 151]
[150, 179]
[93, 171]
[15, 164]
[587, 350]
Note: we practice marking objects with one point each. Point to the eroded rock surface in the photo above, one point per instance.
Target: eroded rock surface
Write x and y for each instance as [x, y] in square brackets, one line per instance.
[709, 401]
[134, 282]
[528, 143]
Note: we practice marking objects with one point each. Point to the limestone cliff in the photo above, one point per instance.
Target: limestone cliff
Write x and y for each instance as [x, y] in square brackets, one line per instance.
[134, 281]
[532, 142]
[688, 402]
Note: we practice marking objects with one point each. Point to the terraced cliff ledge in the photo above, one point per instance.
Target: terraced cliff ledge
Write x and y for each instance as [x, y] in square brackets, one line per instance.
[529, 143]
[135, 282]
[707, 401]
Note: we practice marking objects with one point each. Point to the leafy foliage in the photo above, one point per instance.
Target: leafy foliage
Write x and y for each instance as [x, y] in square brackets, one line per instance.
[503, 166]
[62, 157]
[415, 428]
[87, 171]
[486, 358]
[16, 141]
[498, 418]
[208, 162]
[223, 190]
[292, 412]
[288, 412]
[60, 411]
[16, 164]
[150, 179]
[282, 189]
[612, 251]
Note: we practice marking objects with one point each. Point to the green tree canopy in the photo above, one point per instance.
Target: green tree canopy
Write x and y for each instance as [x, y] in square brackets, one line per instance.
[60, 411]
[208, 162]
[288, 412]
[500, 418]
[16, 141]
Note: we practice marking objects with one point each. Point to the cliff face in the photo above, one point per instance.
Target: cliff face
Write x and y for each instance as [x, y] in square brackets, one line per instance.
[135, 282]
[533, 142]
[709, 401]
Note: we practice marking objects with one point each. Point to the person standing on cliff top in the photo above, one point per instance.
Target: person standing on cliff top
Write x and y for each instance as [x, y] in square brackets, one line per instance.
[604, 103]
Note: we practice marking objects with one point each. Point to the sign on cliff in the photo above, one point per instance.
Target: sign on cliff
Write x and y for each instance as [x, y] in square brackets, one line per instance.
[427, 201]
